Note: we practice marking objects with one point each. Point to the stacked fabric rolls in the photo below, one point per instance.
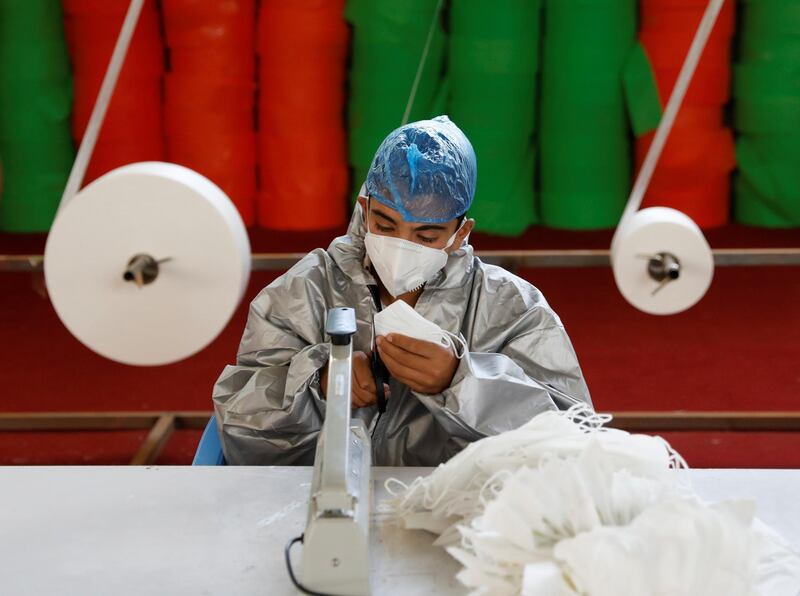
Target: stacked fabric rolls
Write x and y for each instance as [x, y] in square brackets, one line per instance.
[584, 147]
[210, 94]
[388, 41]
[35, 94]
[132, 129]
[767, 114]
[302, 142]
[693, 173]
[493, 61]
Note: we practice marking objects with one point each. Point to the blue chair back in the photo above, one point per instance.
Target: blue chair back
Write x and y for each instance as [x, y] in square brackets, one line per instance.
[209, 451]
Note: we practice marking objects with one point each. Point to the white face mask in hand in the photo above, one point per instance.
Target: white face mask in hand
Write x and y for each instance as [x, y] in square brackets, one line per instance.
[400, 318]
[403, 265]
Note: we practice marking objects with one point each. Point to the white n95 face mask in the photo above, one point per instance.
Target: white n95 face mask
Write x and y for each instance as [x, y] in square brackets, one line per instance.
[403, 265]
[400, 318]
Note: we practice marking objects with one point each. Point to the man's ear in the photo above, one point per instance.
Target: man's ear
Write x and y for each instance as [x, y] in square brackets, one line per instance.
[363, 202]
[462, 233]
[467, 229]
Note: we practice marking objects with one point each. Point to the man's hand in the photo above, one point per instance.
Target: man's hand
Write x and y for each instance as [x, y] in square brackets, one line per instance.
[363, 383]
[423, 366]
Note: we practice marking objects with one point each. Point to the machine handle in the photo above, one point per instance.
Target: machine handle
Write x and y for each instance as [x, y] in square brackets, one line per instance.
[341, 325]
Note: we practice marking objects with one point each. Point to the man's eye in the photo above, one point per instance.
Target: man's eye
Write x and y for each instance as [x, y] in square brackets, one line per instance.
[427, 240]
[383, 228]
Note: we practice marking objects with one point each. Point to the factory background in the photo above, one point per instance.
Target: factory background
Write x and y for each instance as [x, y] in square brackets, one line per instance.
[283, 104]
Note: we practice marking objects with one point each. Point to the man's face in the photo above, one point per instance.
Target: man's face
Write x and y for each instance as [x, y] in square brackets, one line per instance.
[385, 221]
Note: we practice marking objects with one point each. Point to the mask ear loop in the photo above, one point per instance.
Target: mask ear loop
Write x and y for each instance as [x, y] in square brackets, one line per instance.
[455, 234]
[456, 343]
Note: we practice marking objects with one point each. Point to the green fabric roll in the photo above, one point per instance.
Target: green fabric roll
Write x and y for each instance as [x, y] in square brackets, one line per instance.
[768, 164]
[584, 140]
[767, 81]
[758, 47]
[35, 99]
[388, 41]
[766, 93]
[765, 19]
[750, 209]
[776, 116]
[641, 92]
[573, 115]
[492, 66]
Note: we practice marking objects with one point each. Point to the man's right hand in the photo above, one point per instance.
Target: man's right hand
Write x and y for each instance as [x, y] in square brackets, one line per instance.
[363, 383]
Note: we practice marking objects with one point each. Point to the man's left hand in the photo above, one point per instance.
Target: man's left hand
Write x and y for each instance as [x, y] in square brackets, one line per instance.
[423, 366]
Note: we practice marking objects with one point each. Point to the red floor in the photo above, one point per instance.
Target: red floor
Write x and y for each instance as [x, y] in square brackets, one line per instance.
[739, 349]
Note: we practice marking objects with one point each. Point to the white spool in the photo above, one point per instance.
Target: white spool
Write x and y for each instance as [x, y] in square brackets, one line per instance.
[165, 211]
[661, 230]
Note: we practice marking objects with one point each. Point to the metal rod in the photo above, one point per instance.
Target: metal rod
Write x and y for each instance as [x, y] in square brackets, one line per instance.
[723, 257]
[101, 103]
[638, 421]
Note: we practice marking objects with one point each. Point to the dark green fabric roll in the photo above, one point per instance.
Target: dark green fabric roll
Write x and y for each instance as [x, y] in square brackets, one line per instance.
[587, 170]
[776, 116]
[641, 92]
[769, 174]
[767, 81]
[492, 66]
[751, 209]
[584, 139]
[388, 41]
[35, 100]
[766, 93]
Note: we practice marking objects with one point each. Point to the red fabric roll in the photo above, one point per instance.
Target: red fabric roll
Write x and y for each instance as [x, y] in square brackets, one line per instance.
[210, 94]
[694, 169]
[708, 204]
[235, 62]
[677, 168]
[710, 87]
[133, 127]
[683, 16]
[302, 161]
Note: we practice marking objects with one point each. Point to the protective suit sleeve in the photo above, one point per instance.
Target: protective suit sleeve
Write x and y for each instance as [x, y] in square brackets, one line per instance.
[536, 370]
[269, 406]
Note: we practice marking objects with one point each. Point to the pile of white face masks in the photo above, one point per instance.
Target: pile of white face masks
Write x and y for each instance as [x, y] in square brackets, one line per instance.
[562, 506]
[400, 318]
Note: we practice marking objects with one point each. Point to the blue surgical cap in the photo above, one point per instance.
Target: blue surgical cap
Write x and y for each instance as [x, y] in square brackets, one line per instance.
[426, 170]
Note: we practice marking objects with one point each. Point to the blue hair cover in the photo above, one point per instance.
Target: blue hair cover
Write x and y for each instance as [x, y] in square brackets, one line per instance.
[426, 170]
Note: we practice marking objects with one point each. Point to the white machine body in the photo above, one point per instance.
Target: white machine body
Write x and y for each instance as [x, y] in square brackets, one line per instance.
[335, 556]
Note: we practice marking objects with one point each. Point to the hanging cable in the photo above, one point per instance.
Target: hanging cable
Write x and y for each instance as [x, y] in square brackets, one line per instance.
[421, 66]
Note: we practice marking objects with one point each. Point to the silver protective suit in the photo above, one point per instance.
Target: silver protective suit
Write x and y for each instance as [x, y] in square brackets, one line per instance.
[520, 361]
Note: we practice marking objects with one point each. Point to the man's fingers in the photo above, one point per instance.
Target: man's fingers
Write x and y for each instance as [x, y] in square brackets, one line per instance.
[362, 396]
[362, 376]
[410, 344]
[400, 355]
[401, 371]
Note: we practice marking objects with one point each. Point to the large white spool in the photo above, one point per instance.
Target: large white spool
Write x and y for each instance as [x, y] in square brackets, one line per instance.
[165, 211]
[647, 235]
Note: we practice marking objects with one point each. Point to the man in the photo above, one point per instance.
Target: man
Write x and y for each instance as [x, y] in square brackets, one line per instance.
[408, 228]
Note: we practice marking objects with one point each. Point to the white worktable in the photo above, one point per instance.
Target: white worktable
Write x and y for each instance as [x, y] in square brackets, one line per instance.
[221, 530]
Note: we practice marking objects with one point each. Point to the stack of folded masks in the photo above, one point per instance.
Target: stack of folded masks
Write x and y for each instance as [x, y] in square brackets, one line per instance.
[563, 506]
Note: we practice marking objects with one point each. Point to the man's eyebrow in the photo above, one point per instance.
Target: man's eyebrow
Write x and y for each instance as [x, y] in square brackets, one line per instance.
[384, 216]
[429, 227]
